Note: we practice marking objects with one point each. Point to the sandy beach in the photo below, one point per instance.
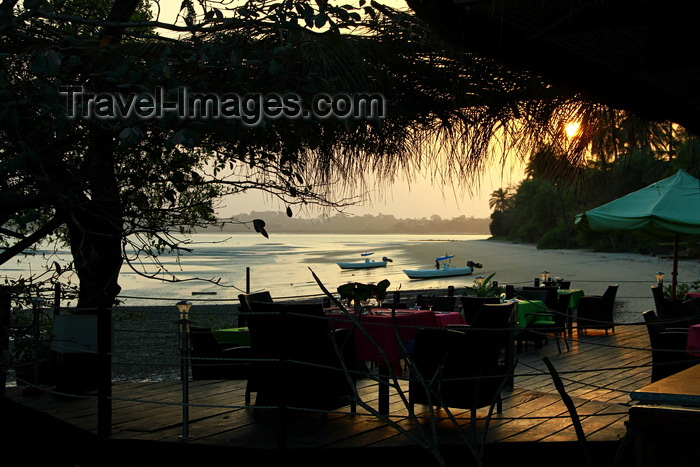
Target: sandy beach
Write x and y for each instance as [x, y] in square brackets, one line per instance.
[520, 264]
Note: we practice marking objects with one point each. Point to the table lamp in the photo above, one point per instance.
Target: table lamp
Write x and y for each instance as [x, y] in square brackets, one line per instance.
[659, 279]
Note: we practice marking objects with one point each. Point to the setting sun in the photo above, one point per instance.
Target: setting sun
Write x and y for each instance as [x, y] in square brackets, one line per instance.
[572, 129]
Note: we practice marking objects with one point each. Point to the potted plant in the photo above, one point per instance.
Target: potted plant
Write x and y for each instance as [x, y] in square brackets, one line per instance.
[681, 289]
[483, 287]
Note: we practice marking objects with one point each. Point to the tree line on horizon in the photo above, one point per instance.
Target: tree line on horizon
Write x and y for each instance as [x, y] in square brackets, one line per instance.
[365, 224]
[626, 154]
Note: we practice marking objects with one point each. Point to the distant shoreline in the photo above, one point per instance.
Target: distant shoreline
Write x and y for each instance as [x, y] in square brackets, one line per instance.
[366, 224]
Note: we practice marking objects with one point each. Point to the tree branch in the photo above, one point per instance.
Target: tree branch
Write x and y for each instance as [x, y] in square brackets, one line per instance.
[10, 233]
[30, 240]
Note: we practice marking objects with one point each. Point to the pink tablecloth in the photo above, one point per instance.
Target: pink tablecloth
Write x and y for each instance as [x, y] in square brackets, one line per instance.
[380, 327]
[693, 345]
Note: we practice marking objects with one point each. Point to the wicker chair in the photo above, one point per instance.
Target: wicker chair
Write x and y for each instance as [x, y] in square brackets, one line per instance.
[472, 305]
[457, 369]
[596, 311]
[668, 354]
[675, 312]
[296, 363]
[211, 360]
[244, 309]
[547, 294]
[498, 321]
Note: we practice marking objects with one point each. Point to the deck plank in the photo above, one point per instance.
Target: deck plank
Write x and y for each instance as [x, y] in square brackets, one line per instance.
[599, 372]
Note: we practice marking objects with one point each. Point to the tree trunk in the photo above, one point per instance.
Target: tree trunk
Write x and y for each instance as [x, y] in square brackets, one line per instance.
[98, 259]
[96, 228]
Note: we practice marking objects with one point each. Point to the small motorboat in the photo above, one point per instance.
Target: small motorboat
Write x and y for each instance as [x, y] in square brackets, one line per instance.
[443, 268]
[366, 264]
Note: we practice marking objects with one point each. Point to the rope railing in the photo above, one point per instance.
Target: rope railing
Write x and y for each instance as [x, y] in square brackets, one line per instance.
[173, 332]
[136, 361]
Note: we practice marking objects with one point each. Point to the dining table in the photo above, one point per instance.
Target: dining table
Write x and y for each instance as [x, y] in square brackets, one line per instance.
[375, 333]
[680, 389]
[665, 421]
[383, 336]
[241, 335]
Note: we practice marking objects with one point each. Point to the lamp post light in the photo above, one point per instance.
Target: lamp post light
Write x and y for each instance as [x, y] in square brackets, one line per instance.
[544, 275]
[479, 280]
[659, 279]
[183, 308]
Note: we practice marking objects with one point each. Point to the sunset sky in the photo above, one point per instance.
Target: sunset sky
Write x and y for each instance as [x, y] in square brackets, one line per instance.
[421, 199]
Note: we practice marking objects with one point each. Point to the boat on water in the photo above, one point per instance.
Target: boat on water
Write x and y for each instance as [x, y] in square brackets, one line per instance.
[366, 264]
[443, 268]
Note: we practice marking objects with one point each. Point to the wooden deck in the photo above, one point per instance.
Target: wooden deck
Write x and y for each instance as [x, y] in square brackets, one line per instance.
[599, 373]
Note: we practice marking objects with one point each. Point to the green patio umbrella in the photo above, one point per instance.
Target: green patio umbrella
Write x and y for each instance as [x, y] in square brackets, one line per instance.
[667, 208]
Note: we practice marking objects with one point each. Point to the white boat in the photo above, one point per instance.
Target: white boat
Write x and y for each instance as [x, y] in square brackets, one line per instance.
[443, 268]
[366, 264]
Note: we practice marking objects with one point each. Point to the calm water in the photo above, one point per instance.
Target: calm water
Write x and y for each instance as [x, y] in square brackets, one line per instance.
[281, 264]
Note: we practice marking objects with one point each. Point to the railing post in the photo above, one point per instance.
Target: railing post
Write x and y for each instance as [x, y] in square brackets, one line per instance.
[184, 331]
[282, 421]
[56, 298]
[104, 372]
[5, 311]
[184, 376]
[241, 315]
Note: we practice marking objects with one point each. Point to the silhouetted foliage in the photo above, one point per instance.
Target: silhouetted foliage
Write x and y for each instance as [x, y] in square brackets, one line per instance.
[543, 207]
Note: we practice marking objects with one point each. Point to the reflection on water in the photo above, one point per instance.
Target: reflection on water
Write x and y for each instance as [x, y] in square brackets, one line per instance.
[280, 264]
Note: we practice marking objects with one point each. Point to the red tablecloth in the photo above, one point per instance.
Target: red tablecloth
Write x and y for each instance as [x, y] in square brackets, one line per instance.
[446, 318]
[380, 327]
[693, 345]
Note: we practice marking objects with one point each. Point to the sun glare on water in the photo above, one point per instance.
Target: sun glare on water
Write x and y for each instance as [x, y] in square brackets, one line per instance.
[572, 129]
